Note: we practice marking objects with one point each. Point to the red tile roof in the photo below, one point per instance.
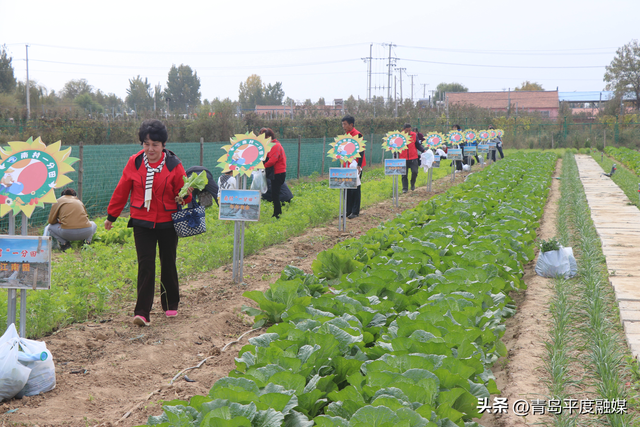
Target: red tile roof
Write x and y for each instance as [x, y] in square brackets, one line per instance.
[500, 100]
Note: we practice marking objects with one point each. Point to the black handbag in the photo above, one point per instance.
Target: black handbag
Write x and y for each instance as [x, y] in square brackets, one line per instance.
[189, 221]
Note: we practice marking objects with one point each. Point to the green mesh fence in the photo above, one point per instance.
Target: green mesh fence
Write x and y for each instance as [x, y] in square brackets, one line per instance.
[103, 165]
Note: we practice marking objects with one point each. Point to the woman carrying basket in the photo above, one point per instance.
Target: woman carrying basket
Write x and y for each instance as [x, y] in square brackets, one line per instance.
[152, 178]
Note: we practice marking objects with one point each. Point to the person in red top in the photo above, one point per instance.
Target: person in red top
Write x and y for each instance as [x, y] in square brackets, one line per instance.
[412, 156]
[276, 160]
[353, 195]
[152, 178]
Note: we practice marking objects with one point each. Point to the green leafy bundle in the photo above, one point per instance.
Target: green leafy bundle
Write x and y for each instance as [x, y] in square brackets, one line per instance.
[549, 245]
[195, 181]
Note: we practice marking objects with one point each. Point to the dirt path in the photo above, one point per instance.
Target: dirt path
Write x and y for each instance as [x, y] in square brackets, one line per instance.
[112, 373]
[520, 375]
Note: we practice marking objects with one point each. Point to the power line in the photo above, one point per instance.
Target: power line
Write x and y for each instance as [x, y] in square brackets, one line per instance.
[248, 52]
[518, 52]
[499, 66]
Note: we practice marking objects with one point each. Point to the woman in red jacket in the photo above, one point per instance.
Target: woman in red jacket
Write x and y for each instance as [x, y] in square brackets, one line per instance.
[277, 160]
[153, 179]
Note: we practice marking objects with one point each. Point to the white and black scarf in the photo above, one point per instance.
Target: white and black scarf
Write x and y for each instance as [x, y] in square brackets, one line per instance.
[148, 189]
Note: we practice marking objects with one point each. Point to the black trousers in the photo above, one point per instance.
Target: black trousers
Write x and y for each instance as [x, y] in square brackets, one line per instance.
[353, 201]
[414, 166]
[276, 185]
[166, 240]
[500, 150]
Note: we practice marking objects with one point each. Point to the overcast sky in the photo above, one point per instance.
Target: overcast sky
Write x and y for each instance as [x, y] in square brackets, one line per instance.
[317, 49]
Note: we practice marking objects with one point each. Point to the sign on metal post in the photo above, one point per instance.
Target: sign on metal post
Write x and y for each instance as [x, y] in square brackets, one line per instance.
[395, 168]
[244, 155]
[30, 171]
[346, 149]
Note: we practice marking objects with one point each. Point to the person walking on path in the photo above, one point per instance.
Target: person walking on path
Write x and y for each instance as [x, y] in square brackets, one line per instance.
[69, 222]
[498, 141]
[353, 195]
[276, 159]
[152, 179]
[412, 157]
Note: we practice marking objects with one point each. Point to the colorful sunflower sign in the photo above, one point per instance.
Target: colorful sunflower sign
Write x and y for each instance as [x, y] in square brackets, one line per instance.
[499, 132]
[483, 135]
[396, 141]
[492, 133]
[346, 148]
[470, 136]
[245, 154]
[455, 137]
[434, 139]
[30, 171]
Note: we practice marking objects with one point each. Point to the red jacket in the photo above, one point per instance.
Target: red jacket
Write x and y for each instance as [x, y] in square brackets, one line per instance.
[277, 158]
[411, 152]
[166, 186]
[361, 160]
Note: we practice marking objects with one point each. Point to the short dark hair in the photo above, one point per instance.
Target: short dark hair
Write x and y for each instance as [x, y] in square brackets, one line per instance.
[490, 126]
[349, 119]
[457, 127]
[407, 125]
[69, 192]
[155, 130]
[268, 132]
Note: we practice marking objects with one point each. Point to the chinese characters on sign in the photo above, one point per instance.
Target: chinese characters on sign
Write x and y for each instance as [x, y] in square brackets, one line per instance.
[522, 407]
[454, 154]
[239, 205]
[395, 166]
[343, 178]
[25, 262]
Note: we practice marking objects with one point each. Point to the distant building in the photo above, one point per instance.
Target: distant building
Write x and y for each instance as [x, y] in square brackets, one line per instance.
[544, 102]
[277, 111]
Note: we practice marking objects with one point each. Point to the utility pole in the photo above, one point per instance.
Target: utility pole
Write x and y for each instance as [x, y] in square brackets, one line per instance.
[28, 100]
[412, 76]
[368, 61]
[401, 70]
[389, 73]
[395, 92]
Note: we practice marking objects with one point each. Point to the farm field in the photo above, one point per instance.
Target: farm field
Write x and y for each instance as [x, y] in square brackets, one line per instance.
[124, 364]
[108, 369]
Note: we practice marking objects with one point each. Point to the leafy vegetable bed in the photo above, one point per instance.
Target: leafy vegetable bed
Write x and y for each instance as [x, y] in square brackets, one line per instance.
[630, 158]
[397, 328]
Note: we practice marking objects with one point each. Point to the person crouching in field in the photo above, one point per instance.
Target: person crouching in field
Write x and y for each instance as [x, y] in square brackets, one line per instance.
[152, 178]
[68, 221]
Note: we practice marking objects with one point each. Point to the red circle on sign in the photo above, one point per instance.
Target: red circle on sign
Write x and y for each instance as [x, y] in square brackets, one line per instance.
[32, 177]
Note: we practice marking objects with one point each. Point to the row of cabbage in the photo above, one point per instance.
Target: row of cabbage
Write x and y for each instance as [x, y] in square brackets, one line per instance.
[630, 158]
[397, 328]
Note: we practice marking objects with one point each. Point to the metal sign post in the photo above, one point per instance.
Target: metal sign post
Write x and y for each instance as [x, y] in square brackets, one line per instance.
[429, 175]
[238, 240]
[343, 179]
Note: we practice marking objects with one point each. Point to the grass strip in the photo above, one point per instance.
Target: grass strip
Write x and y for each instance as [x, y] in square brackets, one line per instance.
[601, 331]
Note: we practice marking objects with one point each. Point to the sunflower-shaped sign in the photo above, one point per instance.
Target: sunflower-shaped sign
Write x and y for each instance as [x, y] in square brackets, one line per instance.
[483, 135]
[499, 132]
[492, 133]
[470, 136]
[30, 171]
[434, 139]
[396, 141]
[245, 154]
[346, 148]
[455, 137]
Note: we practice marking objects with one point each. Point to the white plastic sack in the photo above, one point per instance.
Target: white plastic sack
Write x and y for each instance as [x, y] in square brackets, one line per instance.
[557, 263]
[426, 159]
[34, 355]
[466, 168]
[13, 374]
[24, 363]
[259, 181]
